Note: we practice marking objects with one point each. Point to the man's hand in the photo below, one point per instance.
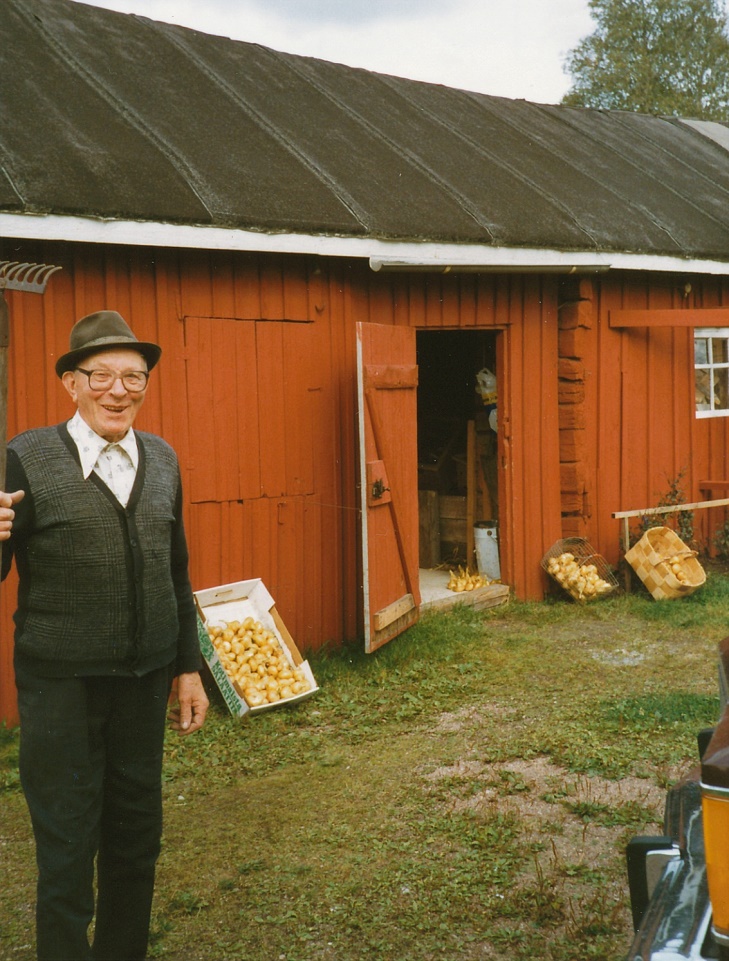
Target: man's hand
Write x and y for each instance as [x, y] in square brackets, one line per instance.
[7, 514]
[188, 714]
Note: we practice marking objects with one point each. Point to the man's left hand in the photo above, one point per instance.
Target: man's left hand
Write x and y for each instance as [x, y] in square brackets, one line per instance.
[188, 714]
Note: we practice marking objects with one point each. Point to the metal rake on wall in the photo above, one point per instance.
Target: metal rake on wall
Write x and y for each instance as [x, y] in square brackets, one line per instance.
[31, 278]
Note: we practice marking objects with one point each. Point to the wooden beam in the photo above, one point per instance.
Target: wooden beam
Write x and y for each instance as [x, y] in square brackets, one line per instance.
[703, 317]
[471, 482]
[390, 376]
[392, 612]
[698, 505]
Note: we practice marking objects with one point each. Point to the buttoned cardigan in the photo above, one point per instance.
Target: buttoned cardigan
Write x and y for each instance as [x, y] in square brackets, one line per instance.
[103, 589]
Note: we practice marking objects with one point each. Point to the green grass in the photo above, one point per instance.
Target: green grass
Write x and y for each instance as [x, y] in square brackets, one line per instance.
[9, 741]
[464, 793]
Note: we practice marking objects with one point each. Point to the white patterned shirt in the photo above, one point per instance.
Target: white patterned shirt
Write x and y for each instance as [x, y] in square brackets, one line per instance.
[116, 464]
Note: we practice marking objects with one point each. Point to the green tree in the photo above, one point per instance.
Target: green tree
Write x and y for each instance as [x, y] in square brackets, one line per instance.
[667, 57]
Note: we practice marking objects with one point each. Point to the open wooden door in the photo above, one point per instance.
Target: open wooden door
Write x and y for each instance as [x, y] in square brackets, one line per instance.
[387, 380]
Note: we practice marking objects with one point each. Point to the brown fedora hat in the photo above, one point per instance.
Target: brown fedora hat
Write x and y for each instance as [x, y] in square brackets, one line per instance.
[104, 330]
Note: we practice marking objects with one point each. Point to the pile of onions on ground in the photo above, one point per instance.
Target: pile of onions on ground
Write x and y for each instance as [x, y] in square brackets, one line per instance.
[581, 580]
[253, 657]
[463, 580]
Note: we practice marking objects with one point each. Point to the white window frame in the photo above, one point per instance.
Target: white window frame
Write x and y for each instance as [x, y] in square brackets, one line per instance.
[711, 334]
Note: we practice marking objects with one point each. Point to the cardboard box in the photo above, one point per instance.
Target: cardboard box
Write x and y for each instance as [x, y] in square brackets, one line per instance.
[236, 602]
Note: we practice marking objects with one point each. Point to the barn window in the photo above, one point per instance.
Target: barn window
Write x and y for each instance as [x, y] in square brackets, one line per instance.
[711, 371]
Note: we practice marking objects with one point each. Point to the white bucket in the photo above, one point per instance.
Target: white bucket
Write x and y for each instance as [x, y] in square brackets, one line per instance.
[487, 549]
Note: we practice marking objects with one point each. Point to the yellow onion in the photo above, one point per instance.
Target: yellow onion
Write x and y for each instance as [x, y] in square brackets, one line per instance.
[253, 656]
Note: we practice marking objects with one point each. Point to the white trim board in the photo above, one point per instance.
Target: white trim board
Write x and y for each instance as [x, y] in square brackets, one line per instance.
[382, 254]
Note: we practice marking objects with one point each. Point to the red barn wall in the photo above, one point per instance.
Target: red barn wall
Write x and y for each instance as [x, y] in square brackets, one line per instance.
[256, 391]
[628, 394]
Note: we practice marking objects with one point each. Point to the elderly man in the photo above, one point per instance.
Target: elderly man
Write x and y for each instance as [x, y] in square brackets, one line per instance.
[105, 621]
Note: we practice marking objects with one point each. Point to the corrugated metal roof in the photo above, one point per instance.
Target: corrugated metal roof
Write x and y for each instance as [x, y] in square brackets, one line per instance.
[110, 115]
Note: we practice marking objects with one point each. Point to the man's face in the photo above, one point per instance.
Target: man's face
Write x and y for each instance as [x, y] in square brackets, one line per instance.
[110, 412]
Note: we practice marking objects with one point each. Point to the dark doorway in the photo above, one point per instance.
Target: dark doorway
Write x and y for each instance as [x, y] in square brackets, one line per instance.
[457, 443]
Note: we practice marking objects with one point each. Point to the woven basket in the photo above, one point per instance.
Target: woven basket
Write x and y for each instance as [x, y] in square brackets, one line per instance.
[583, 574]
[653, 559]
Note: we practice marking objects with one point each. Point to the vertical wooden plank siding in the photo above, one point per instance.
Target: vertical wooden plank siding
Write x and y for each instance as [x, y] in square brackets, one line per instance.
[644, 431]
[256, 392]
[532, 498]
[709, 437]
[525, 308]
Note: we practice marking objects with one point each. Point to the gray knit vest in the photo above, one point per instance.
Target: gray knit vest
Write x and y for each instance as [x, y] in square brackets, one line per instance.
[96, 590]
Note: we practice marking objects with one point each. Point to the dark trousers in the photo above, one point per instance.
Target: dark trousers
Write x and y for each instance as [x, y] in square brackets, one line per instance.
[91, 770]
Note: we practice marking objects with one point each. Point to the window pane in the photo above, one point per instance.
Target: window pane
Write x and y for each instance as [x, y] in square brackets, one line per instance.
[721, 389]
[718, 350]
[711, 371]
[703, 389]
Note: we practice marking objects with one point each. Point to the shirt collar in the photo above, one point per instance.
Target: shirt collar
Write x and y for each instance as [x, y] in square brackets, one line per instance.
[90, 444]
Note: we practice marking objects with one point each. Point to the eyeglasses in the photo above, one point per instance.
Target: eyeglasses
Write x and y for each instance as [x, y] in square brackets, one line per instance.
[134, 381]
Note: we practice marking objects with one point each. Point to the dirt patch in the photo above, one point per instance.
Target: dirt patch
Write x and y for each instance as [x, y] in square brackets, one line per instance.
[472, 717]
[570, 818]
[532, 787]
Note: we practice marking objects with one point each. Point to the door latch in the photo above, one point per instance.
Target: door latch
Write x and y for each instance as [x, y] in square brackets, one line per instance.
[378, 489]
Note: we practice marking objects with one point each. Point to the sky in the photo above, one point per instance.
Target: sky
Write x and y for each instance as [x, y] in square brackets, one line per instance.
[507, 48]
